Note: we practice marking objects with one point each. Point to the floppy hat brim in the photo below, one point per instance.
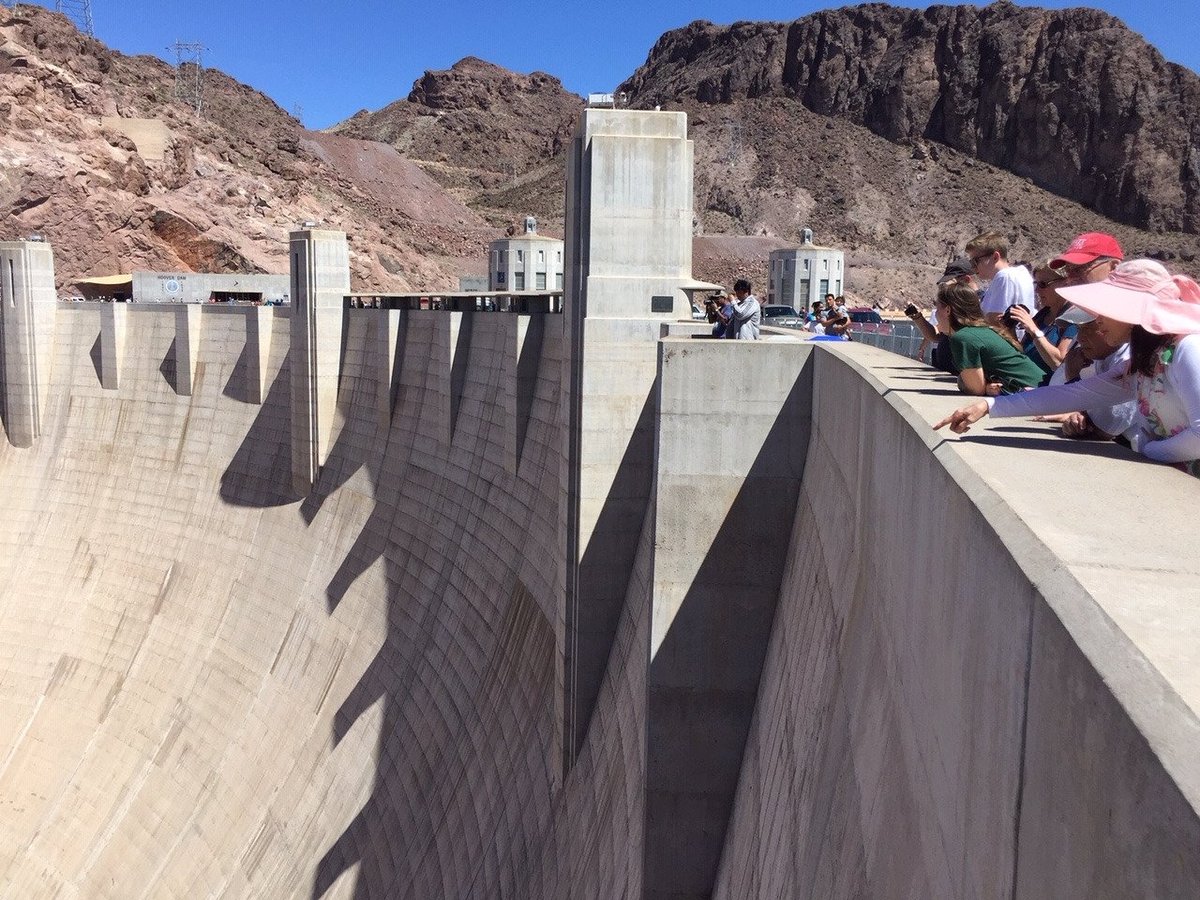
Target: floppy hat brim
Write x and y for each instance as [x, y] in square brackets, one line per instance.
[1156, 315]
[1102, 298]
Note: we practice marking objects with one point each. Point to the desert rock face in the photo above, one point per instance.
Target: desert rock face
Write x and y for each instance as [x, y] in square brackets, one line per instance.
[488, 135]
[896, 135]
[229, 187]
[1071, 99]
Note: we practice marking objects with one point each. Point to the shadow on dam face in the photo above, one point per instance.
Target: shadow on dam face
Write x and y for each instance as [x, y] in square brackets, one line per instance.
[848, 665]
[260, 473]
[709, 646]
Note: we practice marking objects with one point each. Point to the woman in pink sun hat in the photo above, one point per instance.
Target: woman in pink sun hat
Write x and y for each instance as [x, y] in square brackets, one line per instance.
[1163, 373]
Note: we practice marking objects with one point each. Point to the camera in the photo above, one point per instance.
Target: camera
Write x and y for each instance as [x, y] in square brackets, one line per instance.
[1008, 320]
[911, 310]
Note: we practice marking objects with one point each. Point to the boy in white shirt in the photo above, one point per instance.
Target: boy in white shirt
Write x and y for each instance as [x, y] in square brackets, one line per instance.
[1010, 285]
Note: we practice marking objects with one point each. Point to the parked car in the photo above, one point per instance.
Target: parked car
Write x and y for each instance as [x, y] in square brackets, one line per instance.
[869, 321]
[776, 314]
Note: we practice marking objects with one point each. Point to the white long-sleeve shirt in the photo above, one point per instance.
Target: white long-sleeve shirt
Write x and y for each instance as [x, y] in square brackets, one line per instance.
[1178, 402]
[1112, 420]
[748, 314]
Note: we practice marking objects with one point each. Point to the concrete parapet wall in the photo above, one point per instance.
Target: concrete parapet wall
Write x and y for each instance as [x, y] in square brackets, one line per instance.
[953, 704]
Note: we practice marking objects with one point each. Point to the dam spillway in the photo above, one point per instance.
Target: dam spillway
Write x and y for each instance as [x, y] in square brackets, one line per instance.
[787, 642]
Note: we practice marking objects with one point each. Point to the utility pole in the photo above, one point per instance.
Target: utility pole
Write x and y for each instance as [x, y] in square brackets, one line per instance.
[189, 73]
[79, 12]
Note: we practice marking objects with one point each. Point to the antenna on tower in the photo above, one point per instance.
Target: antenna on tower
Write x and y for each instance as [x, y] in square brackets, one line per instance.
[79, 12]
[189, 73]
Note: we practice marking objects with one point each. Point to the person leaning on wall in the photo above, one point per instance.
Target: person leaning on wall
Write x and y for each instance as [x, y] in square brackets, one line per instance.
[989, 362]
[1162, 316]
[933, 331]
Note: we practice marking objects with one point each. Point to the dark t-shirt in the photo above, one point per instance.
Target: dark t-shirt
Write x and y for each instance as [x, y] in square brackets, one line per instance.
[942, 357]
[979, 347]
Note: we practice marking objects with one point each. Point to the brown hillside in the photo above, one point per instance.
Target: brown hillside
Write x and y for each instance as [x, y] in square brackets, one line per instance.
[806, 134]
[230, 185]
[1071, 99]
[769, 167]
[494, 138]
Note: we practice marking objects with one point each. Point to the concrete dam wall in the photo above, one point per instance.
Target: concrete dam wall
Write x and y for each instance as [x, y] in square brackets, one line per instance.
[411, 603]
[248, 695]
[833, 674]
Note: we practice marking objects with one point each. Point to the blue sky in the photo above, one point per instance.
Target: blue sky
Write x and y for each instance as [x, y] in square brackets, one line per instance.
[333, 58]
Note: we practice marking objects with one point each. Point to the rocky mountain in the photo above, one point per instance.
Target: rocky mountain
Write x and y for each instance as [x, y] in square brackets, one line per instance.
[216, 192]
[494, 138]
[894, 134]
[766, 168]
[1071, 99]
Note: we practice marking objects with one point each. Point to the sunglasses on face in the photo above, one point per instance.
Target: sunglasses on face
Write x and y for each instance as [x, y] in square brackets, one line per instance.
[1078, 271]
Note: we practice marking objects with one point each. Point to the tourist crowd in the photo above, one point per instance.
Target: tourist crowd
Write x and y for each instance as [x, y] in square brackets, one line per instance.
[736, 316]
[1108, 347]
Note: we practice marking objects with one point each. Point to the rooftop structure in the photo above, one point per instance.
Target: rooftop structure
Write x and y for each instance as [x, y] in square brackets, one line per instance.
[526, 262]
[800, 276]
[186, 287]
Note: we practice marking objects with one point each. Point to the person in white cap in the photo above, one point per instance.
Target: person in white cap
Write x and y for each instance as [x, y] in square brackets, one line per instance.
[1163, 375]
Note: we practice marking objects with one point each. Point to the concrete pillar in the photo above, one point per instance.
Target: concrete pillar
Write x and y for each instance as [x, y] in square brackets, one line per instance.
[386, 332]
[727, 480]
[259, 326]
[113, 329]
[28, 304]
[187, 347]
[320, 275]
[628, 251]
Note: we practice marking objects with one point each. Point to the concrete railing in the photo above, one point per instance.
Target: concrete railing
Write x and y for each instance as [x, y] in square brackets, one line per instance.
[980, 680]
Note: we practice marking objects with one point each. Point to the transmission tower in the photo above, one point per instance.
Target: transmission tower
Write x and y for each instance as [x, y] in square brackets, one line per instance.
[189, 73]
[79, 12]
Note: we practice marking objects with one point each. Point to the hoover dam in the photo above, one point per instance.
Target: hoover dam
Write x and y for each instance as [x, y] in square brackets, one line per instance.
[324, 601]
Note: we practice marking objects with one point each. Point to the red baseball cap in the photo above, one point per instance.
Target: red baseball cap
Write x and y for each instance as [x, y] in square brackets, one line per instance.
[1088, 246]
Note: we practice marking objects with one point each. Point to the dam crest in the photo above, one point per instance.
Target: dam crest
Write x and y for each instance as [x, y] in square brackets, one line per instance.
[324, 601]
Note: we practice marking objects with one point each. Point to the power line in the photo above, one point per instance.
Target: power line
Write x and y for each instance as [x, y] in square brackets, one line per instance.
[189, 73]
[79, 12]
